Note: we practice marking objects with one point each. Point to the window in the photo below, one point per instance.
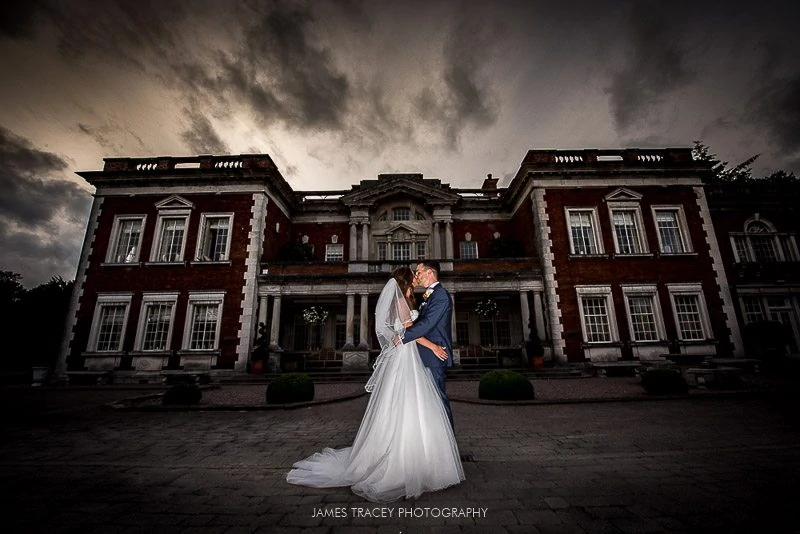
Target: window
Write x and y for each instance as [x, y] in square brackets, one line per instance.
[203, 321]
[341, 329]
[688, 307]
[583, 233]
[627, 233]
[155, 322]
[401, 251]
[761, 243]
[109, 322]
[672, 234]
[215, 237]
[126, 238]
[462, 328]
[753, 309]
[775, 307]
[495, 331]
[421, 250]
[401, 214]
[382, 251]
[597, 314]
[334, 252]
[469, 250]
[644, 313]
[170, 239]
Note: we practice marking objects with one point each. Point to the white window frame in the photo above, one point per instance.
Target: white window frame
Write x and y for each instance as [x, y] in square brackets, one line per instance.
[784, 245]
[396, 247]
[196, 298]
[598, 238]
[465, 253]
[115, 236]
[330, 252]
[638, 223]
[603, 292]
[149, 299]
[683, 229]
[105, 300]
[162, 216]
[690, 289]
[199, 254]
[629, 291]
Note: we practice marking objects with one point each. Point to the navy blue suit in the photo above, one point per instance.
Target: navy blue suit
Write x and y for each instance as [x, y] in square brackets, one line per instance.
[434, 323]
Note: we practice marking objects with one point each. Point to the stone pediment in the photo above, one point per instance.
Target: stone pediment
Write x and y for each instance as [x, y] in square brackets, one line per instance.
[174, 202]
[413, 186]
[623, 194]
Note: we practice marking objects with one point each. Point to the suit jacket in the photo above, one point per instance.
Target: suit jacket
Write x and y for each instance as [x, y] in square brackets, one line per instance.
[434, 322]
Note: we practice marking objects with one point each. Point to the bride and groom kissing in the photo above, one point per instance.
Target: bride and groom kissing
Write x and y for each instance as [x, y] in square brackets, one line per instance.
[405, 445]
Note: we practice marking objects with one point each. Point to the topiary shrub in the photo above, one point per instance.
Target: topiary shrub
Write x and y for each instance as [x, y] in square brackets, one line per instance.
[290, 387]
[664, 381]
[505, 385]
[183, 394]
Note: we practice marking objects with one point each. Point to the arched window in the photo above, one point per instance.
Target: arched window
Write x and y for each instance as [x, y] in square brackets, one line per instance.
[761, 243]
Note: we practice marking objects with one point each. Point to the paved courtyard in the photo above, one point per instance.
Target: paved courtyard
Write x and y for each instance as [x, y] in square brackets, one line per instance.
[695, 465]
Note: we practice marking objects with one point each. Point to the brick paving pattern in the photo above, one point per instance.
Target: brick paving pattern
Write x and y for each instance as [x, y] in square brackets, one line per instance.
[68, 464]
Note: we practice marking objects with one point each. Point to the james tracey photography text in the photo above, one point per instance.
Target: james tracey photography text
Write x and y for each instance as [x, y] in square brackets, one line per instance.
[389, 512]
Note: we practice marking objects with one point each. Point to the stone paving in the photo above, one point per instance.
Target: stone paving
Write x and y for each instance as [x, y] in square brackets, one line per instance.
[68, 464]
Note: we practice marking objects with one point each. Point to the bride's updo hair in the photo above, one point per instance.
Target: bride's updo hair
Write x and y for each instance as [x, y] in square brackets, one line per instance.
[404, 277]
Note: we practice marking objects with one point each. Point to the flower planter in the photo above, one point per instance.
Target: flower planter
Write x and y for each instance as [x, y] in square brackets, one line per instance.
[39, 375]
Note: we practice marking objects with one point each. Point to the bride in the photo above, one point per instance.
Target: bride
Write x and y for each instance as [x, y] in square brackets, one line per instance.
[405, 445]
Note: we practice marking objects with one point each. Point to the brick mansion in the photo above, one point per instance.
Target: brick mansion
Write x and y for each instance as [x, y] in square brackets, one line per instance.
[210, 263]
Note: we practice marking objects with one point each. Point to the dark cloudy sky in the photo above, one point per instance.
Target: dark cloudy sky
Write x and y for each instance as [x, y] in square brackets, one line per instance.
[337, 92]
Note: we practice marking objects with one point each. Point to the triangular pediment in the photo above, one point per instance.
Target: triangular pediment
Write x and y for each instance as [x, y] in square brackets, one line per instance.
[174, 202]
[623, 194]
[412, 186]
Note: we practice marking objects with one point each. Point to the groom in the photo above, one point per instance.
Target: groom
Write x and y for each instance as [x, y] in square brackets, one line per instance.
[434, 323]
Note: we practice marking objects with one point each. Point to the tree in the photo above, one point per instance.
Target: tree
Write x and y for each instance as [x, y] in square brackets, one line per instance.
[720, 173]
[43, 310]
[10, 288]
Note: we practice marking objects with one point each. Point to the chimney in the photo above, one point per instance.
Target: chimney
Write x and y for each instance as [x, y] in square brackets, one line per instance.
[490, 185]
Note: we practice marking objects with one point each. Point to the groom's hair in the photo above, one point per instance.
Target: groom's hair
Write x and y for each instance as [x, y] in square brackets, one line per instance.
[433, 265]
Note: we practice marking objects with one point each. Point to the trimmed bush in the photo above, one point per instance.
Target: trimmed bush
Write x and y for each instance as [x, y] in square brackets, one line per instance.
[664, 381]
[290, 387]
[505, 385]
[182, 394]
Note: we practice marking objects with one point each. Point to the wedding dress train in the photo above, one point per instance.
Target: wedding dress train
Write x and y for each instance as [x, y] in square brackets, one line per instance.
[405, 445]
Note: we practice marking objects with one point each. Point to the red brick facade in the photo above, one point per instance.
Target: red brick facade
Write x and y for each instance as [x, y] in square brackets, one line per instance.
[275, 268]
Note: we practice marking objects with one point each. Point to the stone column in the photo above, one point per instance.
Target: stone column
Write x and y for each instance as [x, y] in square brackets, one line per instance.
[276, 324]
[353, 242]
[538, 315]
[448, 240]
[436, 253]
[362, 344]
[348, 344]
[263, 302]
[365, 241]
[525, 314]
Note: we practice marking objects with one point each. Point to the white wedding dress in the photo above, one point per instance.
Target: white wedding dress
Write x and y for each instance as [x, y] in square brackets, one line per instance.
[405, 445]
